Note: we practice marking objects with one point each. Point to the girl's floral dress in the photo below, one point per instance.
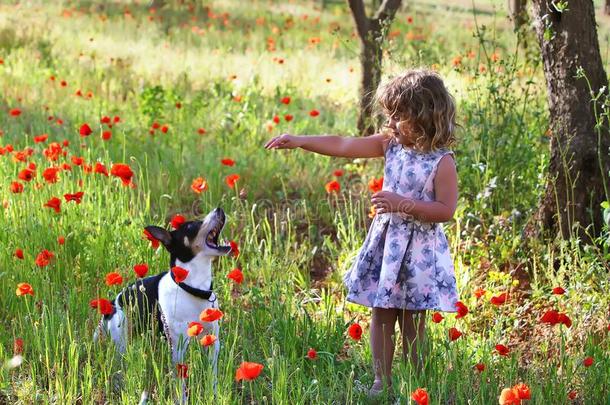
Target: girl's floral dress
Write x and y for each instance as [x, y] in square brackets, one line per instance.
[405, 263]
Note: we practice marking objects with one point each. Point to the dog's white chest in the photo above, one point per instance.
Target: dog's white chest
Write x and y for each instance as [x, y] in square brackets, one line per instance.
[181, 308]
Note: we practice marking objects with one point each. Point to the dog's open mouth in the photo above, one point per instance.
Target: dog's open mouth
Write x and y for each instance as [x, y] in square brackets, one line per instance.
[212, 239]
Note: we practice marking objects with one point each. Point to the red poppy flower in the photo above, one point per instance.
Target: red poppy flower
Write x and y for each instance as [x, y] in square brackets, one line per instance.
[227, 162]
[153, 241]
[201, 131]
[558, 291]
[523, 391]
[164, 129]
[44, 258]
[177, 221]
[19, 253]
[199, 184]
[236, 275]
[194, 329]
[509, 397]
[114, 278]
[78, 161]
[248, 371]
[16, 187]
[104, 306]
[106, 135]
[462, 310]
[26, 175]
[502, 350]
[141, 269]
[15, 112]
[332, 186]
[85, 130]
[76, 197]
[375, 185]
[24, 289]
[479, 293]
[123, 172]
[355, 331]
[182, 370]
[207, 340]
[231, 179]
[338, 173]
[53, 203]
[116, 119]
[288, 117]
[234, 248]
[105, 119]
[572, 395]
[100, 168]
[50, 174]
[480, 367]
[314, 113]
[210, 315]
[312, 354]
[454, 334]
[420, 396]
[17, 346]
[437, 317]
[61, 240]
[285, 100]
[179, 273]
[499, 299]
[41, 138]
[588, 361]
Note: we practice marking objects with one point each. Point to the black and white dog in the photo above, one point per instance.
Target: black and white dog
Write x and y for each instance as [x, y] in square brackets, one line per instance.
[161, 300]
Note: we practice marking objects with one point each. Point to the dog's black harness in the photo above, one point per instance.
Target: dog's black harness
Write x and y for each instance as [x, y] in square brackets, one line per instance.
[203, 294]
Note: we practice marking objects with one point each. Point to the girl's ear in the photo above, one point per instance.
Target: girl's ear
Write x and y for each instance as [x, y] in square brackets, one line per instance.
[161, 234]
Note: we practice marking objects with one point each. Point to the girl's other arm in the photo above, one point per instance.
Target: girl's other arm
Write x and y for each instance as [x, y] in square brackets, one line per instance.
[445, 192]
[333, 145]
[440, 210]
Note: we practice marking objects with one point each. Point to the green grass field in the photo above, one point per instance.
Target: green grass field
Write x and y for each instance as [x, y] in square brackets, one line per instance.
[212, 80]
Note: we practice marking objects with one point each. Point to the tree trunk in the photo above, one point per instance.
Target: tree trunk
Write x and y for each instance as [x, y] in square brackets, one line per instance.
[580, 162]
[372, 33]
[518, 12]
[156, 4]
[607, 7]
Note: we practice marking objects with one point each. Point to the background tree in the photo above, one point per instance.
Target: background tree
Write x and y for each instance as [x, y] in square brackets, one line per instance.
[607, 7]
[518, 12]
[580, 161]
[372, 32]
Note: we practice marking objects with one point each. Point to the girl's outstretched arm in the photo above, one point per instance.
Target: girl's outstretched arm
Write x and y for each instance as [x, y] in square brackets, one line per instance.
[440, 210]
[333, 145]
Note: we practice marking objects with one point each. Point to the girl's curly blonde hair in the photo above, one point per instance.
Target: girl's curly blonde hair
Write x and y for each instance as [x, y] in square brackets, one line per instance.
[422, 105]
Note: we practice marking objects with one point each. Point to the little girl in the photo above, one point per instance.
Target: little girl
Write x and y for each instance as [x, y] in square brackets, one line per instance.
[404, 267]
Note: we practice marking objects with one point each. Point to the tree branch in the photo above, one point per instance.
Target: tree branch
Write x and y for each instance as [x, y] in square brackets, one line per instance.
[359, 13]
[387, 10]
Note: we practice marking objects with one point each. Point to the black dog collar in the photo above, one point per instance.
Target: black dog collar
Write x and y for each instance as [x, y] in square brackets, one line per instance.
[203, 294]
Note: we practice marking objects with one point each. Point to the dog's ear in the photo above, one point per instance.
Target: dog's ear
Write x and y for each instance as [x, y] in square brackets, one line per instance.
[161, 234]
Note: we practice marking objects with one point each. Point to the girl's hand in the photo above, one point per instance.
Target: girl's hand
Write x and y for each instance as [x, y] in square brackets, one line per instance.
[284, 141]
[387, 201]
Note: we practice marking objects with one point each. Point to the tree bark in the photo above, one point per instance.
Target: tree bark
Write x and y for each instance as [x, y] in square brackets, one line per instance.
[156, 4]
[580, 162]
[372, 32]
[518, 12]
[607, 7]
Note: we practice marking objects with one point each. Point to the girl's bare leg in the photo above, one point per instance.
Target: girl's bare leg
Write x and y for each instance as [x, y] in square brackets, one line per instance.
[382, 345]
[413, 329]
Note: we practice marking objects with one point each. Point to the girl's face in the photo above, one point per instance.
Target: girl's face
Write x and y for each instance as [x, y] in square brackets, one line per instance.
[401, 130]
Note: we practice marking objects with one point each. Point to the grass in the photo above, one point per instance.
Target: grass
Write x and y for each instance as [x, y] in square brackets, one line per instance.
[229, 81]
